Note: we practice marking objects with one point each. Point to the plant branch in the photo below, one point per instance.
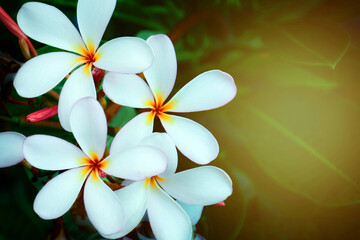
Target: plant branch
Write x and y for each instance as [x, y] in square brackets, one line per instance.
[21, 121]
[111, 111]
[15, 29]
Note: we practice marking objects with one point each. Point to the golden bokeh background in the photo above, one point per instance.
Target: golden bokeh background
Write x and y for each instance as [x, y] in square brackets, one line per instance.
[290, 139]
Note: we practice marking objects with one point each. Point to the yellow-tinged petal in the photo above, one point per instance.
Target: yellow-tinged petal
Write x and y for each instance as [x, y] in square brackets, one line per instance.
[127, 90]
[89, 126]
[102, 206]
[80, 84]
[93, 16]
[162, 73]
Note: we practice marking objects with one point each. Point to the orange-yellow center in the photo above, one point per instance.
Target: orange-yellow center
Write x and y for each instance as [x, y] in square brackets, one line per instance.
[94, 166]
[158, 108]
[152, 181]
[88, 56]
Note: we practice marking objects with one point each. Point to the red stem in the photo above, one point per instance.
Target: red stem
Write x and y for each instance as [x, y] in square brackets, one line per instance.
[15, 29]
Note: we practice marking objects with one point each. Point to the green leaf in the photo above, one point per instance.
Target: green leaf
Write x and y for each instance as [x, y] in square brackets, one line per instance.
[109, 141]
[311, 42]
[276, 71]
[47, 49]
[18, 219]
[235, 210]
[83, 232]
[305, 140]
[296, 76]
[283, 11]
[122, 117]
[145, 34]
[139, 20]
[248, 192]
[62, 3]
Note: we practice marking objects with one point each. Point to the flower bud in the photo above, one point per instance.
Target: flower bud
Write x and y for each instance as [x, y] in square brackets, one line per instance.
[97, 74]
[42, 114]
[220, 204]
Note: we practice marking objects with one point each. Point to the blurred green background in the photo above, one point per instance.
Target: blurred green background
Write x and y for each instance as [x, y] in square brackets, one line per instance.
[289, 140]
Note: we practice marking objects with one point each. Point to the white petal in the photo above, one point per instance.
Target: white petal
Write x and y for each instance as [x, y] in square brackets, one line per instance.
[49, 25]
[134, 198]
[162, 73]
[192, 139]
[136, 163]
[163, 142]
[80, 84]
[125, 55]
[103, 208]
[194, 212]
[11, 148]
[209, 90]
[42, 73]
[59, 194]
[52, 153]
[205, 185]
[89, 126]
[167, 219]
[93, 16]
[127, 90]
[132, 133]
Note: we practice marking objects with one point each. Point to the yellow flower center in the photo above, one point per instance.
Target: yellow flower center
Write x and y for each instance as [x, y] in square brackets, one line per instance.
[88, 56]
[94, 166]
[152, 181]
[158, 108]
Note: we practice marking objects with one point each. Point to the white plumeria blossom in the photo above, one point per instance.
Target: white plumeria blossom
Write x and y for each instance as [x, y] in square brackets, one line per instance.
[194, 212]
[208, 90]
[200, 186]
[50, 26]
[87, 165]
[11, 148]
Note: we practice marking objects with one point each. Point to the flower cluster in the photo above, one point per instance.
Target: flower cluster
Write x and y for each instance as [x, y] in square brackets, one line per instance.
[146, 160]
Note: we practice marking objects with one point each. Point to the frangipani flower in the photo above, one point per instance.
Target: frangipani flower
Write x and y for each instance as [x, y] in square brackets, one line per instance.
[208, 90]
[201, 186]
[49, 25]
[11, 145]
[204, 185]
[193, 211]
[88, 124]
